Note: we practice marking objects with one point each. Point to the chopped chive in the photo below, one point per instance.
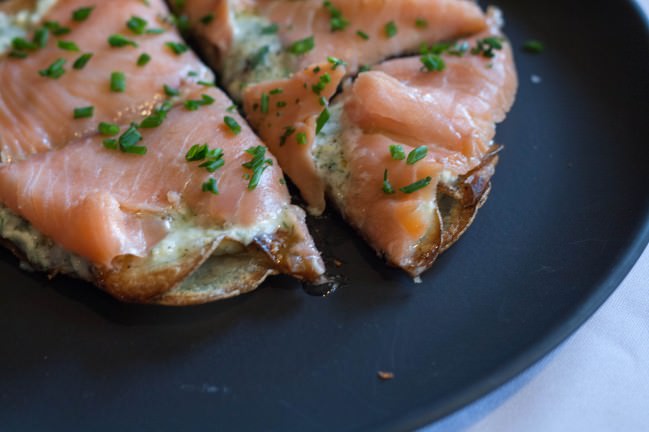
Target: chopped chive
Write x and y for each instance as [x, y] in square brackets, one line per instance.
[154, 120]
[301, 138]
[432, 63]
[387, 187]
[257, 164]
[22, 44]
[421, 23]
[117, 82]
[128, 141]
[108, 129]
[280, 104]
[416, 155]
[82, 14]
[288, 131]
[210, 186]
[231, 108]
[232, 125]
[41, 36]
[322, 119]
[154, 31]
[361, 34]
[68, 46]
[533, 47]
[110, 144]
[136, 24]
[302, 46]
[170, 91]
[56, 28]
[119, 41]
[84, 112]
[337, 22]
[55, 70]
[420, 184]
[177, 47]
[335, 62]
[486, 47]
[207, 19]
[206, 83]
[397, 153]
[143, 59]
[391, 29]
[264, 103]
[197, 152]
[213, 158]
[364, 68]
[270, 29]
[81, 62]
[276, 91]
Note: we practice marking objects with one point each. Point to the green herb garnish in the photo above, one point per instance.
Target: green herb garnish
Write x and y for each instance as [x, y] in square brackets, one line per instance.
[68, 46]
[397, 153]
[210, 186]
[82, 14]
[55, 70]
[136, 24]
[337, 22]
[81, 62]
[420, 184]
[302, 46]
[387, 187]
[108, 129]
[257, 164]
[117, 82]
[177, 47]
[416, 155]
[143, 59]
[232, 124]
[391, 29]
[119, 41]
[533, 47]
[322, 119]
[84, 112]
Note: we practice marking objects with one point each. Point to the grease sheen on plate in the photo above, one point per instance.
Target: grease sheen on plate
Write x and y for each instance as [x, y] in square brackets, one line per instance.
[567, 218]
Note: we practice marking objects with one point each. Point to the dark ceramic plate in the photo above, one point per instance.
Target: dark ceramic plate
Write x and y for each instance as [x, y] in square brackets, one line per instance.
[567, 218]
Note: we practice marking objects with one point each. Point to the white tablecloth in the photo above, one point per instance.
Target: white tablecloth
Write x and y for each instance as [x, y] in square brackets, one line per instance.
[597, 380]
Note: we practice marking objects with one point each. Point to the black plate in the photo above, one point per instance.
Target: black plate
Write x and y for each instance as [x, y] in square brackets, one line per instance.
[567, 218]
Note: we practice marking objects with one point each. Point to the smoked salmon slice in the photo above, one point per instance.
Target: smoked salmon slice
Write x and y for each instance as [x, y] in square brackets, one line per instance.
[253, 41]
[406, 150]
[163, 194]
[418, 147]
[97, 56]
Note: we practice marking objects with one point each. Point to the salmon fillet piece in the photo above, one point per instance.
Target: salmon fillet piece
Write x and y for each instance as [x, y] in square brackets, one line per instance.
[37, 112]
[252, 41]
[168, 198]
[446, 115]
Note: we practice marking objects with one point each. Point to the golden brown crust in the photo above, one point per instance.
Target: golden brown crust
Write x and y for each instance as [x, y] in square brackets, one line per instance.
[219, 278]
[137, 280]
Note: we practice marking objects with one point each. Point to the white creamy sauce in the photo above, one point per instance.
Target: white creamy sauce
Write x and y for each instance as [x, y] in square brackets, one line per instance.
[327, 153]
[184, 235]
[254, 56]
[19, 24]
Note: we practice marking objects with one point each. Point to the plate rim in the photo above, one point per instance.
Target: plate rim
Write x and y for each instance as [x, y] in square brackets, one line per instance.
[552, 340]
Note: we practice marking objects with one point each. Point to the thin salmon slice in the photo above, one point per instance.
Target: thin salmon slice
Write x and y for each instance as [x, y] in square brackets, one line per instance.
[285, 114]
[261, 40]
[37, 112]
[451, 113]
[102, 203]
